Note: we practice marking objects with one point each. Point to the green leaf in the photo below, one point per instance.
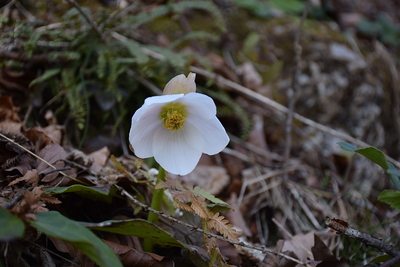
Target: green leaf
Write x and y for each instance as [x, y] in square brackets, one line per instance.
[45, 76]
[250, 42]
[11, 226]
[96, 193]
[135, 49]
[390, 197]
[377, 157]
[137, 227]
[56, 225]
[288, 6]
[370, 153]
[217, 204]
[383, 258]
[394, 175]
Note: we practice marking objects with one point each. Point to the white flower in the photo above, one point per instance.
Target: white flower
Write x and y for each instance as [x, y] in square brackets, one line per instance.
[177, 128]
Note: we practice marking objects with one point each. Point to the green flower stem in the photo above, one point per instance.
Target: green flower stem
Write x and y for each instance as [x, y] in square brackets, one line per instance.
[156, 202]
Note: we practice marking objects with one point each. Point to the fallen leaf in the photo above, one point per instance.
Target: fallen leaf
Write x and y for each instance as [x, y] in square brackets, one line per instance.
[235, 216]
[301, 245]
[52, 154]
[30, 176]
[100, 158]
[38, 138]
[134, 258]
[209, 178]
[7, 110]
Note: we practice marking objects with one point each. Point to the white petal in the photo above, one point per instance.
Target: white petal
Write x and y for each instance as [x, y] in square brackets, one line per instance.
[180, 85]
[145, 122]
[199, 105]
[161, 99]
[214, 134]
[178, 152]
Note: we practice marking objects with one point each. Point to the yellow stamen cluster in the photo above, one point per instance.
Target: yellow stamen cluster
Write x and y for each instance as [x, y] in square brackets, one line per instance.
[173, 115]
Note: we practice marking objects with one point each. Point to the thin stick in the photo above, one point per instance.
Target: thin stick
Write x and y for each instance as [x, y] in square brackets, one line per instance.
[41, 159]
[295, 93]
[89, 20]
[8, 5]
[208, 234]
[391, 262]
[341, 227]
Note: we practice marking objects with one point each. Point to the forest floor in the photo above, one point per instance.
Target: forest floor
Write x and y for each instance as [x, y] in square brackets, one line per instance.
[290, 80]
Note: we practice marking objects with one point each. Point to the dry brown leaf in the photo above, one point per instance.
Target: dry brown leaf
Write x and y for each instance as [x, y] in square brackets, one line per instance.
[10, 126]
[301, 245]
[25, 162]
[52, 154]
[63, 246]
[229, 252]
[100, 156]
[199, 208]
[321, 251]
[182, 195]
[223, 226]
[274, 260]
[235, 216]
[38, 138]
[30, 176]
[134, 258]
[10, 153]
[54, 132]
[210, 178]
[9, 119]
[183, 206]
[80, 158]
[30, 203]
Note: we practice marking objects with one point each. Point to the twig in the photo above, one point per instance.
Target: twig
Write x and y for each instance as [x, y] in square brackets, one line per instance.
[118, 14]
[294, 93]
[24, 11]
[341, 227]
[270, 103]
[145, 82]
[41, 159]
[391, 262]
[17, 197]
[39, 59]
[208, 234]
[89, 20]
[8, 5]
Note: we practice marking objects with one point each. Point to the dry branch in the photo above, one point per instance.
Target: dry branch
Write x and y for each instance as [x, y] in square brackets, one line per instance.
[294, 92]
[341, 227]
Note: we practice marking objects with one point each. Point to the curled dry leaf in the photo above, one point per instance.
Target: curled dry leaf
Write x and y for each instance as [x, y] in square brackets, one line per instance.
[235, 216]
[80, 158]
[31, 176]
[53, 154]
[100, 158]
[9, 119]
[132, 257]
[210, 178]
[11, 155]
[38, 138]
[33, 202]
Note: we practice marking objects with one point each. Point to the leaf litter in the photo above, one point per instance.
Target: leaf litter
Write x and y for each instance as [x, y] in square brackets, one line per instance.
[252, 170]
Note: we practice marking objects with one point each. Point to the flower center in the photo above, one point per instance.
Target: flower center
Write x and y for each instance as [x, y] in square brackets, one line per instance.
[173, 115]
